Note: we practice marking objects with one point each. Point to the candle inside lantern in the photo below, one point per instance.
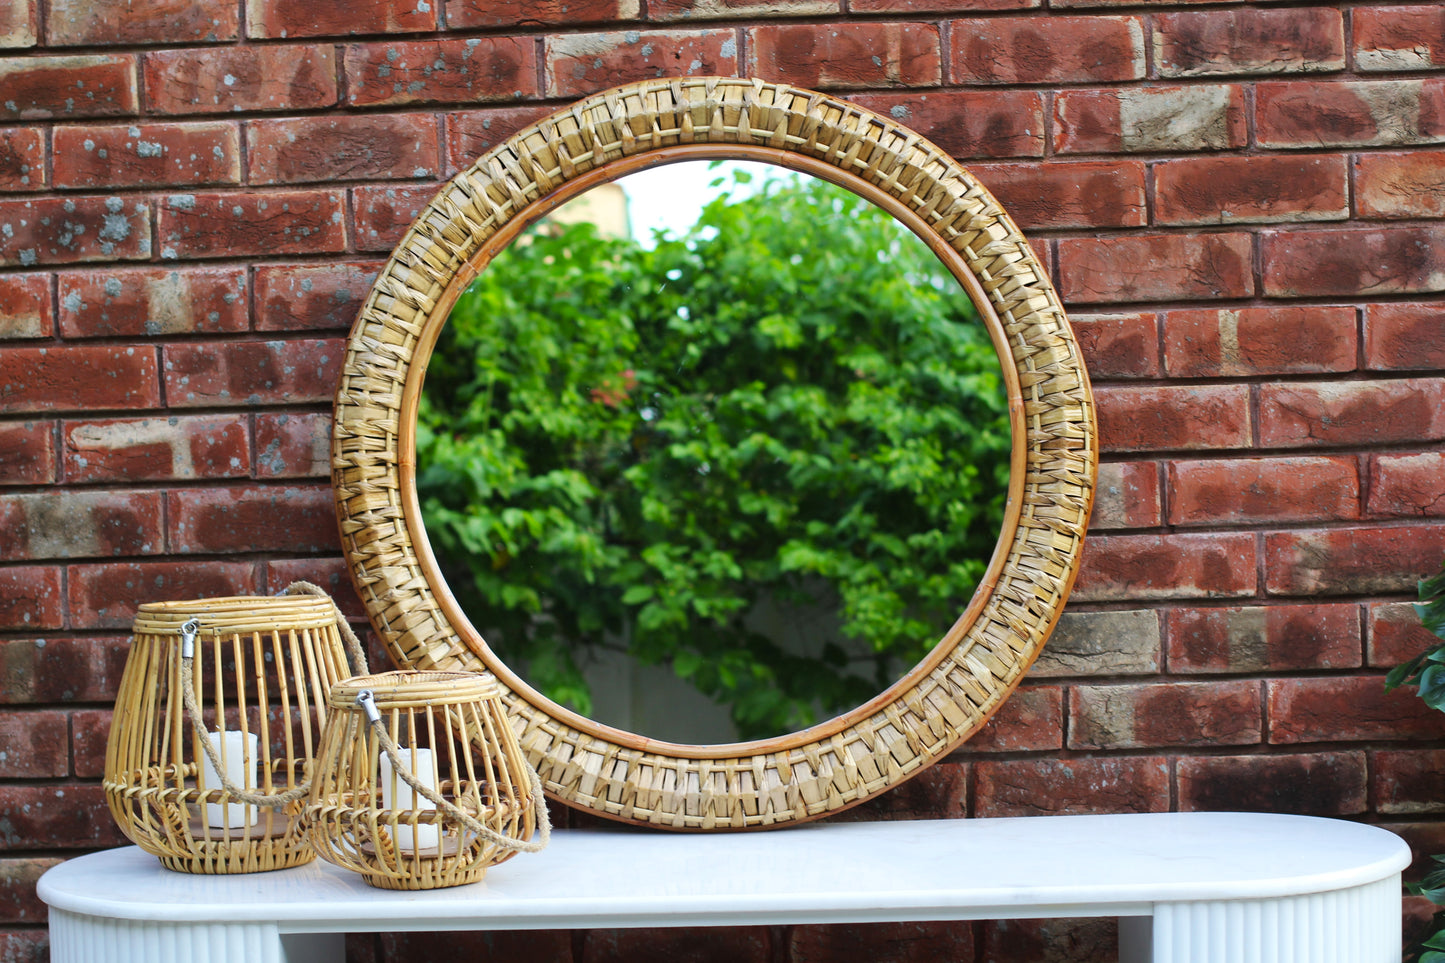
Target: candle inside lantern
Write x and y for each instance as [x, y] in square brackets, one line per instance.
[400, 798]
[238, 751]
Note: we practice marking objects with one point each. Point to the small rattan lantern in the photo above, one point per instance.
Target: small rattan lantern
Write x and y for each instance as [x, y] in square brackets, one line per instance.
[218, 716]
[420, 782]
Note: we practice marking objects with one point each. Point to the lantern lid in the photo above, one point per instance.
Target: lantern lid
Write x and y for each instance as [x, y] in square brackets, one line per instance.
[414, 690]
[236, 614]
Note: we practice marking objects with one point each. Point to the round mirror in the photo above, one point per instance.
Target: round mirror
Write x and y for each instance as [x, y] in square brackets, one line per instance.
[713, 452]
[382, 421]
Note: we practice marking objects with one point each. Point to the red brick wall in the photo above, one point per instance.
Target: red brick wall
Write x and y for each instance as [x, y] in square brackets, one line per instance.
[1241, 205]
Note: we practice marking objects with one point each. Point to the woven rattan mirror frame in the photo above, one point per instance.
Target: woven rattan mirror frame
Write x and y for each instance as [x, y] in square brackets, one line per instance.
[979, 661]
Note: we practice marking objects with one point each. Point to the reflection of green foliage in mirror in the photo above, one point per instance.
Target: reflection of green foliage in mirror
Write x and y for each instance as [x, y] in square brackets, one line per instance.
[793, 402]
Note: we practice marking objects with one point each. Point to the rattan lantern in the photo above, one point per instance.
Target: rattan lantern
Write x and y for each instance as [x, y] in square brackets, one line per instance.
[218, 716]
[420, 782]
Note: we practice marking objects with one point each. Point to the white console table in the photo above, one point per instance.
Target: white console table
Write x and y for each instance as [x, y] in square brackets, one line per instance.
[1188, 888]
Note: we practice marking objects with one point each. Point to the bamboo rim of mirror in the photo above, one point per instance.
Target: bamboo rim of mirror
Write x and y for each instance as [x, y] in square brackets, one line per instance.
[967, 675]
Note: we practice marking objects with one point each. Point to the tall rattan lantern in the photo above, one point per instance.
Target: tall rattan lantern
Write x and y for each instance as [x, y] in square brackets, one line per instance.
[217, 720]
[420, 782]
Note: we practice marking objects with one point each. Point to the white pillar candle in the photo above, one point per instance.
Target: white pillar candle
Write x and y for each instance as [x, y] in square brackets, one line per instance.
[400, 798]
[238, 752]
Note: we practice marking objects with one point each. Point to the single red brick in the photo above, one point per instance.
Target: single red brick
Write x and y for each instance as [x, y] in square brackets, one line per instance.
[1350, 708]
[57, 669]
[226, 79]
[326, 573]
[251, 372]
[881, 942]
[1317, 113]
[1409, 781]
[1112, 643]
[1259, 341]
[279, 19]
[56, 817]
[22, 159]
[1313, 784]
[152, 301]
[37, 744]
[1063, 940]
[25, 946]
[1155, 267]
[1186, 418]
[1351, 561]
[377, 146]
[384, 213]
[1239, 190]
[312, 297]
[290, 519]
[86, 23]
[939, 791]
[18, 901]
[1399, 38]
[441, 71]
[1407, 485]
[1126, 496]
[509, 13]
[235, 225]
[579, 64]
[27, 453]
[1140, 567]
[1394, 260]
[1031, 720]
[25, 310]
[1401, 185]
[136, 449]
[743, 944]
[91, 729]
[1352, 412]
[80, 524]
[969, 123]
[1059, 787]
[1248, 41]
[1238, 491]
[19, 24]
[66, 230]
[1203, 117]
[1047, 50]
[1396, 634]
[39, 88]
[471, 133]
[1425, 839]
[105, 596]
[1074, 194]
[1264, 638]
[847, 55]
[1405, 336]
[30, 597]
[293, 445]
[1119, 345]
[554, 946]
[79, 378]
[152, 155]
[1165, 714]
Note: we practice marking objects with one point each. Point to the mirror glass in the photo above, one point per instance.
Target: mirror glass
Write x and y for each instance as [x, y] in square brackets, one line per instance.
[714, 452]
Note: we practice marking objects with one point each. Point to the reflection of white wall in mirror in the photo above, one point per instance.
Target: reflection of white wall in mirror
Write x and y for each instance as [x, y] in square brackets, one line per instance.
[604, 206]
[669, 198]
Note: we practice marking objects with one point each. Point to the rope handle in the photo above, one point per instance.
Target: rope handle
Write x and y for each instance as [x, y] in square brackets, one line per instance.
[367, 702]
[189, 630]
[355, 655]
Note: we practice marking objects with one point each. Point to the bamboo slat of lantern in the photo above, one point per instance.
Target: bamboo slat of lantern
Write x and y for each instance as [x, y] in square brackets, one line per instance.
[218, 716]
[420, 782]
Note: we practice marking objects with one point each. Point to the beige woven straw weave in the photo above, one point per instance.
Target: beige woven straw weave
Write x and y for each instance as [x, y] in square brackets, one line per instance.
[981, 658]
